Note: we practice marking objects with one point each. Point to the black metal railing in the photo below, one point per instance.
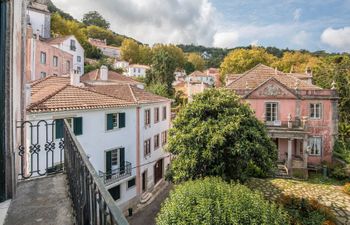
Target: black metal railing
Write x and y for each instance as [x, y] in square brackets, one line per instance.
[91, 201]
[40, 153]
[117, 174]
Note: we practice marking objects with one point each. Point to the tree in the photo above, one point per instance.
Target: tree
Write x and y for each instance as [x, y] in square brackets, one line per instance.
[217, 135]
[94, 18]
[175, 52]
[296, 62]
[101, 33]
[241, 60]
[212, 201]
[197, 61]
[189, 68]
[162, 70]
[158, 89]
[130, 51]
[145, 55]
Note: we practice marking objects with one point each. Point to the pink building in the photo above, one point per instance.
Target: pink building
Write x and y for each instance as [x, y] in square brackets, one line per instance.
[43, 59]
[301, 118]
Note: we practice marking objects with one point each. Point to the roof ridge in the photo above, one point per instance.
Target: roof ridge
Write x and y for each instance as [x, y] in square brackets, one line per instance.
[246, 72]
[100, 93]
[47, 97]
[133, 94]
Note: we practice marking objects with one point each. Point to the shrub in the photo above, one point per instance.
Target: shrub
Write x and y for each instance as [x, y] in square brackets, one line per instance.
[306, 212]
[346, 188]
[339, 172]
[215, 202]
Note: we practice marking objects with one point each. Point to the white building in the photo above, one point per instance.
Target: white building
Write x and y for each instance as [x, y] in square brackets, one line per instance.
[200, 77]
[121, 65]
[72, 46]
[39, 17]
[122, 128]
[136, 70]
[107, 50]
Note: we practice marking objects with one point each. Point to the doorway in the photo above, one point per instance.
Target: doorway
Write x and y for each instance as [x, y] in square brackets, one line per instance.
[144, 181]
[158, 171]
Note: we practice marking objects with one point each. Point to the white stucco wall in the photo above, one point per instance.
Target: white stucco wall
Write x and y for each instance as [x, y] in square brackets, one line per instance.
[136, 72]
[65, 46]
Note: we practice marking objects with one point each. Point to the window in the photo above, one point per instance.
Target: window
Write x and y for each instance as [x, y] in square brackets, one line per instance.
[75, 123]
[115, 192]
[147, 147]
[271, 111]
[78, 69]
[164, 113]
[78, 125]
[115, 120]
[139, 70]
[68, 66]
[156, 115]
[131, 183]
[315, 144]
[42, 57]
[55, 61]
[164, 137]
[156, 141]
[42, 75]
[59, 128]
[115, 162]
[147, 117]
[315, 110]
[78, 58]
[134, 70]
[72, 45]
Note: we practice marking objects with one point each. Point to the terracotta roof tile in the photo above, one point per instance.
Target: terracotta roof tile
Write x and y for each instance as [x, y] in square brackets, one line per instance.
[261, 73]
[57, 40]
[112, 77]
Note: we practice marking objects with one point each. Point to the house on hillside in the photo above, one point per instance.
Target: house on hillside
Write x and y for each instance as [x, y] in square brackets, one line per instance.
[198, 76]
[190, 89]
[136, 70]
[43, 59]
[107, 50]
[122, 128]
[120, 64]
[301, 117]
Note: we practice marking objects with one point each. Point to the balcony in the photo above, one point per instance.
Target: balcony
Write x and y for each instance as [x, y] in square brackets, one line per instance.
[288, 125]
[117, 174]
[71, 193]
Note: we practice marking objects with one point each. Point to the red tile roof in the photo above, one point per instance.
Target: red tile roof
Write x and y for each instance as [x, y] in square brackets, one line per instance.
[112, 77]
[261, 73]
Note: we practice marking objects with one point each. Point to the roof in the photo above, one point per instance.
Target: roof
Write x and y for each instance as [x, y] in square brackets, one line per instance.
[198, 74]
[301, 75]
[57, 40]
[112, 77]
[52, 94]
[139, 66]
[261, 73]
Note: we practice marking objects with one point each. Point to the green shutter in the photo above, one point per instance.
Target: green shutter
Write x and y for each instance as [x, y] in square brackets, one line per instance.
[108, 163]
[109, 121]
[78, 125]
[121, 120]
[122, 160]
[59, 128]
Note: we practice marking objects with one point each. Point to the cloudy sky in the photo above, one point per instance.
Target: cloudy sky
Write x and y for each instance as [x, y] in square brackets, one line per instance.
[296, 24]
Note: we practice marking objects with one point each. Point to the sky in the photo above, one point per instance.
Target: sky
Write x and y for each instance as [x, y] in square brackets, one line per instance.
[295, 24]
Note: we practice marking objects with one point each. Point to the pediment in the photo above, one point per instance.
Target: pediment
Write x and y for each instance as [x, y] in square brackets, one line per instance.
[272, 89]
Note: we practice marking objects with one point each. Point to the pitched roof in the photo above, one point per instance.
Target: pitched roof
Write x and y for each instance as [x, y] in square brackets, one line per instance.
[53, 94]
[57, 40]
[261, 73]
[112, 77]
[139, 66]
[198, 73]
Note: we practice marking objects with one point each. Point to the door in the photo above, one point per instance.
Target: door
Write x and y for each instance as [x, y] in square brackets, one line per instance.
[144, 181]
[158, 171]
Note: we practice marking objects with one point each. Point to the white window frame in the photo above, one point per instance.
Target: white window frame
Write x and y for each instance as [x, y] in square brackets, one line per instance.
[43, 74]
[164, 137]
[314, 104]
[154, 141]
[164, 113]
[145, 143]
[43, 58]
[276, 113]
[156, 115]
[147, 118]
[115, 123]
[312, 151]
[55, 61]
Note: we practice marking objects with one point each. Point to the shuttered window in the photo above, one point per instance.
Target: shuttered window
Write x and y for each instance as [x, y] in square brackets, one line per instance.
[78, 125]
[59, 128]
[115, 120]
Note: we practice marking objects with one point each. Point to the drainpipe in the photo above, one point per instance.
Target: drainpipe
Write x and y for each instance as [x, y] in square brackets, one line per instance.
[138, 169]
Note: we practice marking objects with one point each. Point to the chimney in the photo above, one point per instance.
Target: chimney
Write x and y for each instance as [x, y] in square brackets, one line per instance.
[104, 73]
[74, 78]
[37, 34]
[308, 72]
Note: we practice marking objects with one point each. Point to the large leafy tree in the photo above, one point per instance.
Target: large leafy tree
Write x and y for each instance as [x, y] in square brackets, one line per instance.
[162, 71]
[197, 61]
[95, 18]
[130, 51]
[296, 62]
[217, 135]
[212, 201]
[241, 60]
[173, 51]
[101, 33]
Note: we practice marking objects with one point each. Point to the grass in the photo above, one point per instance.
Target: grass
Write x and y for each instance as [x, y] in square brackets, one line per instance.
[320, 179]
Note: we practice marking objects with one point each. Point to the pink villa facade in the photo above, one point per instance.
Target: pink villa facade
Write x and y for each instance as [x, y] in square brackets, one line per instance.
[301, 118]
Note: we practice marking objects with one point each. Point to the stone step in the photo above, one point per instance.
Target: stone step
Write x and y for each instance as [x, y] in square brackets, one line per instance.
[145, 197]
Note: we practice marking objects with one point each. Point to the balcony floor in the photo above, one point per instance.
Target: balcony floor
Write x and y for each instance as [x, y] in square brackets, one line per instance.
[41, 201]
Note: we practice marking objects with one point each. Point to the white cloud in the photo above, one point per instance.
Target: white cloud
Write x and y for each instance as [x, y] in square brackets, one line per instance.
[301, 39]
[153, 21]
[296, 14]
[337, 38]
[226, 39]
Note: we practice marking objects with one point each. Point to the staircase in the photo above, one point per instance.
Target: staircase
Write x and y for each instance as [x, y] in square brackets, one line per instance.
[282, 171]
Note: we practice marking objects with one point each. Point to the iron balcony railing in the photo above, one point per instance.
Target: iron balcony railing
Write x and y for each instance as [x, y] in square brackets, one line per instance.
[117, 174]
[41, 154]
[91, 201]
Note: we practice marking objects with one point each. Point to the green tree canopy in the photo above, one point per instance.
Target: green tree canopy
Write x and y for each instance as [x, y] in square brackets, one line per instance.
[95, 18]
[217, 135]
[101, 33]
[212, 201]
[296, 62]
[241, 60]
[173, 51]
[130, 51]
[197, 61]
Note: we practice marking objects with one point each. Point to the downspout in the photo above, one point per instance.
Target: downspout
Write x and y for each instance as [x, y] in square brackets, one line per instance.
[138, 164]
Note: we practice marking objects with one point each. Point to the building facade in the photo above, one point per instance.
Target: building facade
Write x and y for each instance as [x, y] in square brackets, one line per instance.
[198, 76]
[121, 127]
[301, 118]
[136, 70]
[107, 50]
